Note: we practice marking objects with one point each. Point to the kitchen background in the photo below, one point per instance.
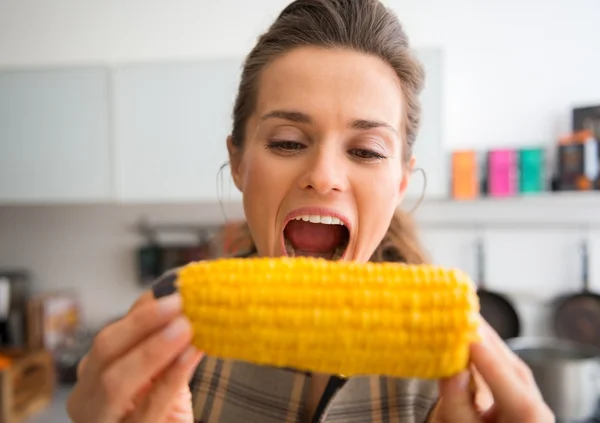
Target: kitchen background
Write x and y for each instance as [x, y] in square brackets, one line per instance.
[113, 118]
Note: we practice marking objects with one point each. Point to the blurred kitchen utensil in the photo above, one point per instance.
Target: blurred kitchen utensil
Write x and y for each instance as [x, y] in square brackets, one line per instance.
[577, 316]
[577, 161]
[591, 166]
[15, 289]
[154, 260]
[149, 263]
[566, 372]
[587, 118]
[496, 309]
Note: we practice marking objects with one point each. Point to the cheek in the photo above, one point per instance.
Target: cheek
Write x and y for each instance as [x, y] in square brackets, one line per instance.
[377, 196]
[264, 177]
[377, 204]
[379, 190]
[264, 185]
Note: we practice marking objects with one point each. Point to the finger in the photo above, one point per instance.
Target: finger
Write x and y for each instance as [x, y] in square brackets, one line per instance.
[168, 399]
[456, 400]
[141, 395]
[506, 386]
[498, 344]
[81, 365]
[482, 396]
[142, 299]
[119, 337]
[492, 415]
[143, 364]
[181, 410]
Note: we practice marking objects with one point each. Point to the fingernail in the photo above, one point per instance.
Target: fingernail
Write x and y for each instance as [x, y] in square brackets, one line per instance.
[482, 330]
[165, 285]
[462, 381]
[176, 328]
[188, 354]
[170, 303]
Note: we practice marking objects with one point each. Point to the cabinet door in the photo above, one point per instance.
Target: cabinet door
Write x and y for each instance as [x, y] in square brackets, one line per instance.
[171, 126]
[54, 144]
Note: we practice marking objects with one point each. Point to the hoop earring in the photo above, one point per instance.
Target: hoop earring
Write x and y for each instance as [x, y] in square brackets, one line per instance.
[422, 192]
[220, 179]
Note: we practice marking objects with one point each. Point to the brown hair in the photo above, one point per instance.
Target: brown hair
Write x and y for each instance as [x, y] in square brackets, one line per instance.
[366, 26]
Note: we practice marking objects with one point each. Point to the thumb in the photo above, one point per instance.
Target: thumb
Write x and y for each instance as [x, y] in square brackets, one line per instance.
[456, 401]
[181, 408]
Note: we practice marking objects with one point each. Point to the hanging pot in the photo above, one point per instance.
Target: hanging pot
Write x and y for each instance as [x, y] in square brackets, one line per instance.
[577, 316]
[566, 372]
[495, 308]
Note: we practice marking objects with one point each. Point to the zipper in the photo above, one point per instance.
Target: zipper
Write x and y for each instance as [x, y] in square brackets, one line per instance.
[334, 384]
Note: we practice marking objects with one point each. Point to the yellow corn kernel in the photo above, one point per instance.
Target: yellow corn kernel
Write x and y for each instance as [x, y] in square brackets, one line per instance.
[332, 316]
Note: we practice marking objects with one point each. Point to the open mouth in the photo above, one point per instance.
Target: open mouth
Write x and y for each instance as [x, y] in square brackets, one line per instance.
[311, 235]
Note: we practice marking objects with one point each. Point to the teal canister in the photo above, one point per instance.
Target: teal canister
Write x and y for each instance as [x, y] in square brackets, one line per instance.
[531, 170]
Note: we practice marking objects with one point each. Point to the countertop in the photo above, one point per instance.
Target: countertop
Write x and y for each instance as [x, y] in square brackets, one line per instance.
[56, 411]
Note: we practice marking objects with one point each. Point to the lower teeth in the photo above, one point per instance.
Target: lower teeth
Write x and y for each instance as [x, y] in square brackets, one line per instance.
[291, 252]
[289, 249]
[339, 252]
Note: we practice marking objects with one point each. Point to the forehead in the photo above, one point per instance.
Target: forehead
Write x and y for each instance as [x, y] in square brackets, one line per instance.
[332, 86]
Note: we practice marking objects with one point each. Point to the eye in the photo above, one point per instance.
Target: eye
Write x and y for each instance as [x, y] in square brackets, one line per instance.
[365, 154]
[285, 147]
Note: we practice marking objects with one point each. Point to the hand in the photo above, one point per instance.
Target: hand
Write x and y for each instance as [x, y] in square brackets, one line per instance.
[138, 368]
[504, 389]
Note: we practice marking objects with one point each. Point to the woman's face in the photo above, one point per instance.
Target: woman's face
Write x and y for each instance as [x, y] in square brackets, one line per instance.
[321, 169]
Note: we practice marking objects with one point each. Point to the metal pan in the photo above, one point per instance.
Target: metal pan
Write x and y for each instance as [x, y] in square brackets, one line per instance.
[496, 309]
[577, 316]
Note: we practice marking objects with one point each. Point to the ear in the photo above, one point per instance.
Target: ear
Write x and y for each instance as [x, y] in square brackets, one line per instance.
[406, 176]
[235, 162]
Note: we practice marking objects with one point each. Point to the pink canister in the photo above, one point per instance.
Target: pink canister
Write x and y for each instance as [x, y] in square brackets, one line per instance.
[502, 173]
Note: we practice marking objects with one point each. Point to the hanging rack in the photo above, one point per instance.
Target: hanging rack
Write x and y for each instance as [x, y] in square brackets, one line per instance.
[150, 231]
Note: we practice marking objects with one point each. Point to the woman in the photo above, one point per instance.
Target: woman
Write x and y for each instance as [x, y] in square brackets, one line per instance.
[324, 123]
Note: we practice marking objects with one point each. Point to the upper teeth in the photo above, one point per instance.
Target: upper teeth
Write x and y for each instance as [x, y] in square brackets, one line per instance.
[327, 220]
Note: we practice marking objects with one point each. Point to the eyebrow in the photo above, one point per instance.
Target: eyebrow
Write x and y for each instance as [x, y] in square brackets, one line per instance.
[292, 116]
[365, 124]
[299, 117]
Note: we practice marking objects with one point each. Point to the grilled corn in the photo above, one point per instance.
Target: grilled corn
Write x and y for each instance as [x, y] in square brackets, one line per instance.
[333, 317]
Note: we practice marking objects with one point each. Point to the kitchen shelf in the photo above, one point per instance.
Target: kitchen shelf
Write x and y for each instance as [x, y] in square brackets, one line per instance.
[569, 210]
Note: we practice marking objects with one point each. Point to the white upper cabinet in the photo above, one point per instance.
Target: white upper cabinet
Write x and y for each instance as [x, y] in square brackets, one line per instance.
[150, 133]
[171, 125]
[54, 141]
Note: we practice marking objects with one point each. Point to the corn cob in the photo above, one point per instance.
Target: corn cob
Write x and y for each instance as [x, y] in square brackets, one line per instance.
[333, 317]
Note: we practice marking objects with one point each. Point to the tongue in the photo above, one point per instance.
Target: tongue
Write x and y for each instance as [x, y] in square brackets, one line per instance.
[314, 237]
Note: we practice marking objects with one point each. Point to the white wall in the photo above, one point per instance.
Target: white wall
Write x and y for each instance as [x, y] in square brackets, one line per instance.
[513, 69]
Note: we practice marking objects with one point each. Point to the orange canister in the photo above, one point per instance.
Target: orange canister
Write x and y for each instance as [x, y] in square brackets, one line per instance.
[465, 175]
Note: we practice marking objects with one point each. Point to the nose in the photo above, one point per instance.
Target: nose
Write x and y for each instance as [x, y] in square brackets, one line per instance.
[325, 172]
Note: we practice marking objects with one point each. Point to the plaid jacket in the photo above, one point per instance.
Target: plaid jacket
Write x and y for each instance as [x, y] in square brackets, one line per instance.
[227, 391]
